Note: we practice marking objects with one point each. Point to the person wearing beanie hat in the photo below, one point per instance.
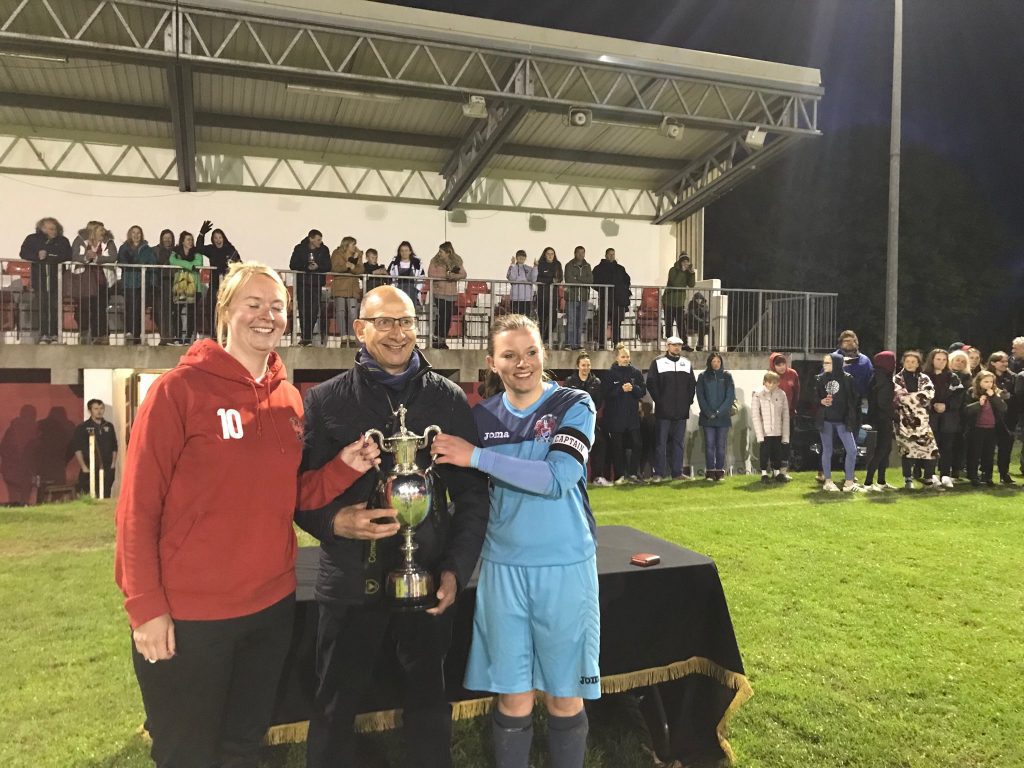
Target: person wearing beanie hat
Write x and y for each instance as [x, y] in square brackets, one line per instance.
[880, 417]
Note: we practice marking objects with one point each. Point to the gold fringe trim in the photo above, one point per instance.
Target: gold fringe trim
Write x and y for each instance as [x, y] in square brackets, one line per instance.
[372, 722]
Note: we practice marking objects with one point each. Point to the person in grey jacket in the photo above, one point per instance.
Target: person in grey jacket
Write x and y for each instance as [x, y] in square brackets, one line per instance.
[716, 394]
[770, 416]
[578, 279]
[522, 276]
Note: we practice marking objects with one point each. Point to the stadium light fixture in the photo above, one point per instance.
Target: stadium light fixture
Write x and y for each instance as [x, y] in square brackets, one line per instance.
[475, 108]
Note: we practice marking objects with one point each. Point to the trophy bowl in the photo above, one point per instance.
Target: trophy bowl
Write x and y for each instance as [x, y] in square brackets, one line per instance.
[409, 495]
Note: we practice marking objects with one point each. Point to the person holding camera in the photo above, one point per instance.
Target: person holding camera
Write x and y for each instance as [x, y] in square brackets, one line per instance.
[445, 271]
[346, 287]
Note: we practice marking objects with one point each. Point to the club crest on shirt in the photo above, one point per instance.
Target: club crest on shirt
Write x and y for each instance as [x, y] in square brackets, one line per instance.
[297, 427]
[544, 428]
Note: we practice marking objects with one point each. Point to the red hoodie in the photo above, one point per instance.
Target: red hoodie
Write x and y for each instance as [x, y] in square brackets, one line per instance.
[789, 381]
[204, 520]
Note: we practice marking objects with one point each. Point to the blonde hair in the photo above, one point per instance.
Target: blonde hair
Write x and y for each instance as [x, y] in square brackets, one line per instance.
[239, 275]
[959, 355]
[770, 377]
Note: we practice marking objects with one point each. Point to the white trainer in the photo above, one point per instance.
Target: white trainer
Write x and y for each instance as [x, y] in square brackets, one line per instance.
[829, 486]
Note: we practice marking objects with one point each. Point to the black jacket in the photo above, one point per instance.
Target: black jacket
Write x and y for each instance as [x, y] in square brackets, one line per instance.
[57, 250]
[219, 258]
[950, 421]
[592, 386]
[881, 413]
[549, 272]
[613, 273]
[844, 397]
[1007, 382]
[672, 386]
[973, 409]
[337, 412]
[310, 281]
[622, 409]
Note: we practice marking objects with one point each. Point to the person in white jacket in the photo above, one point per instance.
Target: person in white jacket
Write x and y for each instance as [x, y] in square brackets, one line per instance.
[770, 414]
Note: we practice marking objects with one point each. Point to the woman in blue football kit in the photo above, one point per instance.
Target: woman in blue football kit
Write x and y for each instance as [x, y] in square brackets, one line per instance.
[537, 625]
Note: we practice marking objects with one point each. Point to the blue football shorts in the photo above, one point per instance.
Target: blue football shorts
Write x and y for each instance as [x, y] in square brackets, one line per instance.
[537, 628]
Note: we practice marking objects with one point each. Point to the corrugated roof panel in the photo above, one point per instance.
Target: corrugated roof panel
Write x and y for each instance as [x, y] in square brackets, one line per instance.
[92, 127]
[98, 81]
[554, 170]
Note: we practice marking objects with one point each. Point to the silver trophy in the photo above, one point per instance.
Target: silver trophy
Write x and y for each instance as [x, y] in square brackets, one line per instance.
[408, 490]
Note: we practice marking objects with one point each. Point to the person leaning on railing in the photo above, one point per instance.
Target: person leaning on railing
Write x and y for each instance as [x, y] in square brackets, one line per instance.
[446, 269]
[522, 277]
[135, 253]
[47, 249]
[376, 273]
[347, 266]
[680, 277]
[186, 288]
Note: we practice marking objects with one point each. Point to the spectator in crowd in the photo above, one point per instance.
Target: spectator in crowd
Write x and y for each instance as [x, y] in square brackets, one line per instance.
[355, 624]
[578, 279]
[789, 380]
[406, 269]
[998, 364]
[522, 277]
[346, 288]
[770, 414]
[445, 271]
[985, 414]
[18, 449]
[716, 395]
[946, 411]
[549, 275]
[135, 254]
[47, 249]
[187, 288]
[881, 415]
[104, 448]
[857, 364]
[837, 415]
[960, 365]
[584, 378]
[622, 388]
[1017, 355]
[673, 387]
[914, 393]
[537, 621]
[311, 261]
[675, 298]
[375, 272]
[698, 319]
[220, 253]
[163, 300]
[93, 247]
[612, 302]
[974, 357]
[205, 557]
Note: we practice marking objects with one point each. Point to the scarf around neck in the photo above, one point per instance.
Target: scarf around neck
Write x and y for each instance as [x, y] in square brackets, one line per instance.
[394, 381]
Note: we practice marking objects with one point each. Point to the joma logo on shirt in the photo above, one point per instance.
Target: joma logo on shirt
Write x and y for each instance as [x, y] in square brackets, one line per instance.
[495, 435]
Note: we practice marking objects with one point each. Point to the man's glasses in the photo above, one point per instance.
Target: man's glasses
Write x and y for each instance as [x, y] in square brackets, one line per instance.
[385, 324]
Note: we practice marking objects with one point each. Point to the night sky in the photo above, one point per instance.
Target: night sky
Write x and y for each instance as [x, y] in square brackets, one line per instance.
[963, 93]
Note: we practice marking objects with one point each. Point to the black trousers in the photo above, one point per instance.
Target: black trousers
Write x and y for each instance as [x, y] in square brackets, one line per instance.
[442, 319]
[544, 314]
[878, 458]
[618, 442]
[959, 453]
[981, 448]
[184, 321]
[947, 454]
[48, 298]
[675, 316]
[609, 312]
[108, 481]
[1004, 447]
[521, 308]
[211, 703]
[309, 315]
[771, 453]
[348, 643]
[91, 314]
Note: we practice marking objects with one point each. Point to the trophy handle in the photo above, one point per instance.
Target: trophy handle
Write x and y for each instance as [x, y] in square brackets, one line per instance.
[434, 430]
[380, 438]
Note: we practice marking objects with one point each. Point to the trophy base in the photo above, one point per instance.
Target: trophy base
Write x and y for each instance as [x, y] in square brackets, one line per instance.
[411, 591]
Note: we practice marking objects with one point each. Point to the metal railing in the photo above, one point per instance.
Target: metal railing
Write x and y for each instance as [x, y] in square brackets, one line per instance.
[74, 303]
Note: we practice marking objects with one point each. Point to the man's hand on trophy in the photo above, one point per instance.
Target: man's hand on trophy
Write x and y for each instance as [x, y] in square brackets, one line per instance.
[449, 449]
[362, 455]
[357, 522]
[445, 594]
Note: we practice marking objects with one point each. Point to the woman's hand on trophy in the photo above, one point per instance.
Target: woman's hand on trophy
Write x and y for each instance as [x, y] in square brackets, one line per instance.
[357, 522]
[445, 593]
[362, 455]
[449, 449]
[155, 639]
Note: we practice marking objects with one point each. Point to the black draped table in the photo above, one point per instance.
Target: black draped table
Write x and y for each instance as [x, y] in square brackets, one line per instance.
[666, 636]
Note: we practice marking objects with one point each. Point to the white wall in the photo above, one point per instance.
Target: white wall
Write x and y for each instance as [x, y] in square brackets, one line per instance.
[265, 227]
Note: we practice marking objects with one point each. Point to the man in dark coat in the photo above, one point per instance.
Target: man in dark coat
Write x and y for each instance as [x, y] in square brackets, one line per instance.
[610, 273]
[311, 260]
[359, 546]
[47, 249]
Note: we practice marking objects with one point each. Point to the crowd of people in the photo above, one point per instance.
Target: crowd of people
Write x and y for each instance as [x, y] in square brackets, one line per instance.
[177, 280]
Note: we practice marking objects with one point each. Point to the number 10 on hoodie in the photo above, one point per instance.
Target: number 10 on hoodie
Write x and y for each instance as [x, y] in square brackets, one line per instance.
[230, 423]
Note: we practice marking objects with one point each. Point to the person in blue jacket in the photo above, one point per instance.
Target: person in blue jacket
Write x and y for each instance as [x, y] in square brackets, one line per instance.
[715, 395]
[537, 625]
[856, 363]
[623, 388]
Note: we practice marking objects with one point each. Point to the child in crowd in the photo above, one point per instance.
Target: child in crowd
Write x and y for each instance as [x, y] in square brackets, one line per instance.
[985, 414]
[770, 415]
[914, 393]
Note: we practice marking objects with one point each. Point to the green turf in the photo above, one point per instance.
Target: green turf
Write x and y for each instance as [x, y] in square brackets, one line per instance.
[876, 630]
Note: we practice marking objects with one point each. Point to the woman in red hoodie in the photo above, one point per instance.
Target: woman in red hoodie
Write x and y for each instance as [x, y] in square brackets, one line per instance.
[205, 547]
